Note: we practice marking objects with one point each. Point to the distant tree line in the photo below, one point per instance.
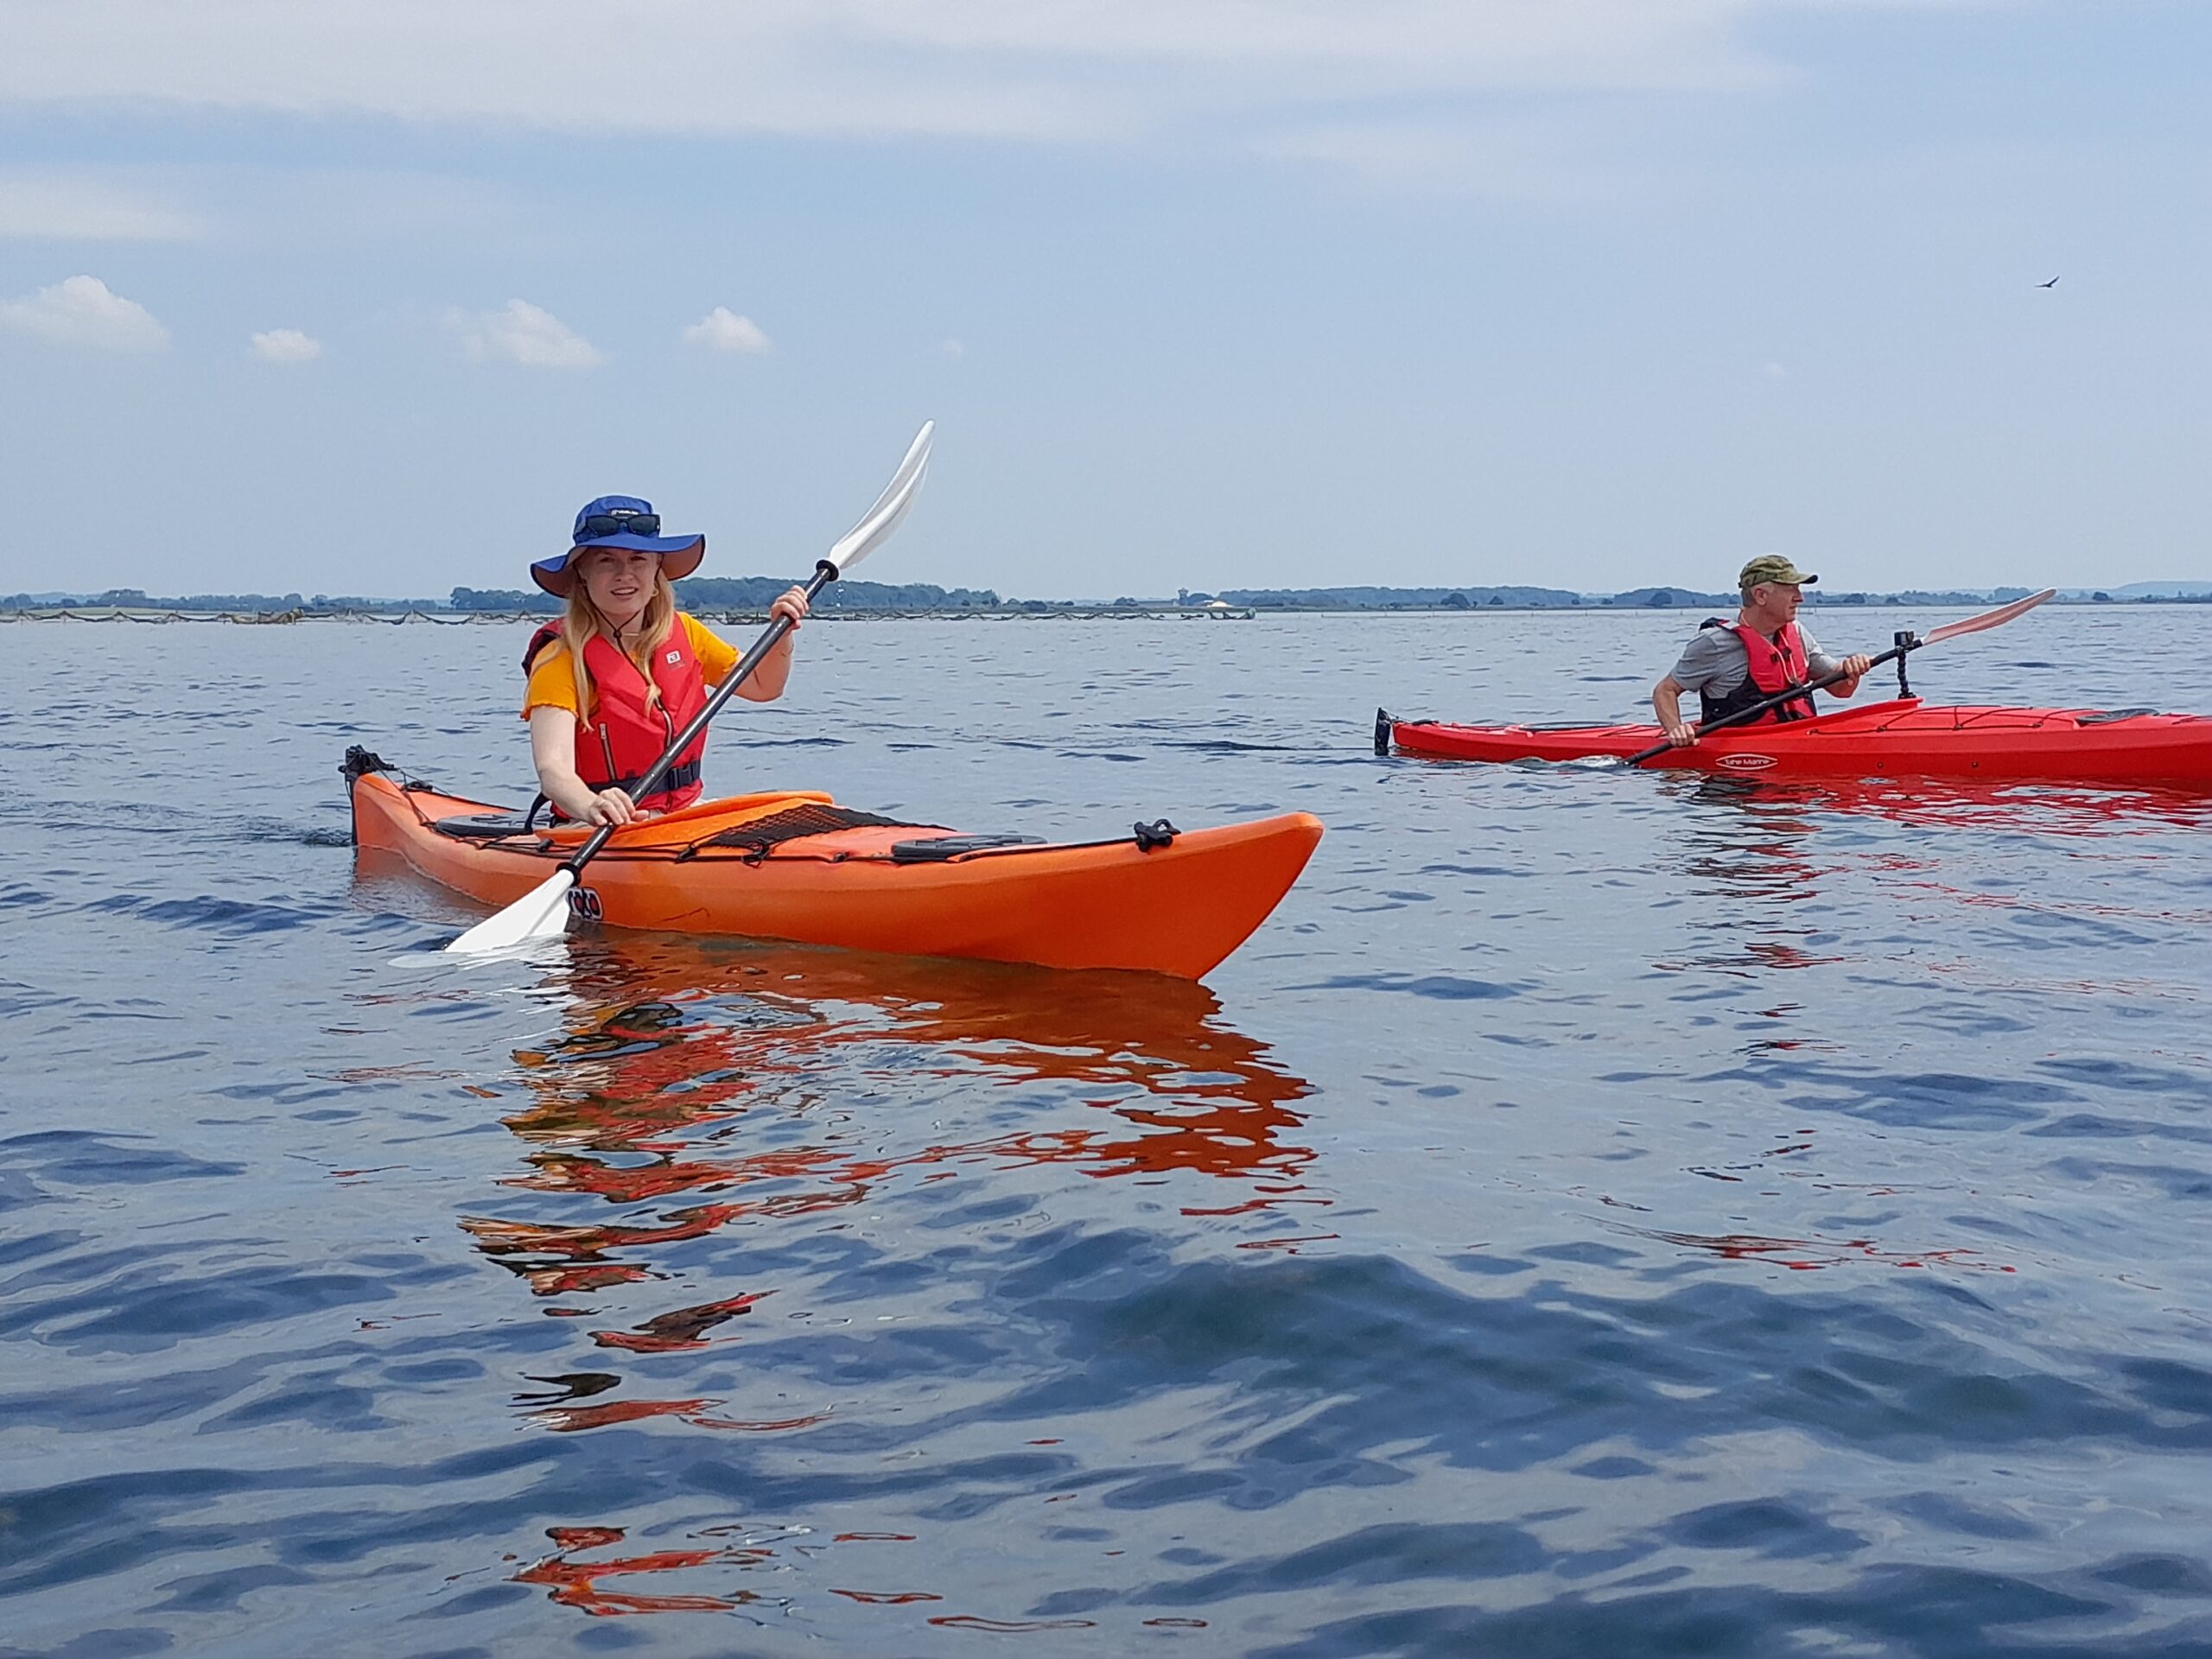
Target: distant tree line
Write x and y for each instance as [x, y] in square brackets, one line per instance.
[503, 599]
[136, 599]
[756, 593]
[1394, 598]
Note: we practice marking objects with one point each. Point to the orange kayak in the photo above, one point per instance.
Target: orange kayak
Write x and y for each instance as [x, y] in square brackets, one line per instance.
[795, 865]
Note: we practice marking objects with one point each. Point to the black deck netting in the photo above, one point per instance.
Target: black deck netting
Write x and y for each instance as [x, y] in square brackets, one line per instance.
[758, 836]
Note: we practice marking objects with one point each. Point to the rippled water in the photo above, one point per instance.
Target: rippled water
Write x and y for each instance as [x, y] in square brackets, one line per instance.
[1600, 1214]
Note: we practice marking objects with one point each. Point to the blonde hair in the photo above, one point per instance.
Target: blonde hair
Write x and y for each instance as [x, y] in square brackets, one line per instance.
[582, 619]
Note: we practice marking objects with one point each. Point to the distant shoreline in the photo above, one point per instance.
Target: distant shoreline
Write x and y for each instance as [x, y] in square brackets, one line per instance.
[444, 616]
[739, 597]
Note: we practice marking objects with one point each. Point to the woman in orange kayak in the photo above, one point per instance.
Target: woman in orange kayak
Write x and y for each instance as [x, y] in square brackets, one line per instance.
[619, 675]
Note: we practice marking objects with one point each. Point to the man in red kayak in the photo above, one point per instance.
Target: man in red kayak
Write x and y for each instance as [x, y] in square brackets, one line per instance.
[1731, 665]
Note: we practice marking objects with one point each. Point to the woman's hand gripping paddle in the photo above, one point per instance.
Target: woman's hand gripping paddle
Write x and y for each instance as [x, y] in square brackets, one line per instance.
[1997, 618]
[543, 910]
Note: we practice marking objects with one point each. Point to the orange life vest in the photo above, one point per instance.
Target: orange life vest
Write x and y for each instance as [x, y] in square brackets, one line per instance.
[627, 730]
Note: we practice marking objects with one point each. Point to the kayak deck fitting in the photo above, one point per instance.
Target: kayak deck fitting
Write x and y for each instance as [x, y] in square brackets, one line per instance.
[795, 865]
[1901, 737]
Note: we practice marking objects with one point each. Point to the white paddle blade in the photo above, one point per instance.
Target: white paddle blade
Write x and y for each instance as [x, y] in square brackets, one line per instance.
[880, 520]
[2003, 615]
[541, 913]
[917, 457]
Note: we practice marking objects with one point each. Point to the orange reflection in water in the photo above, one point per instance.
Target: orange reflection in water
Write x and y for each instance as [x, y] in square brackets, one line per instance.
[654, 1057]
[667, 1042]
[667, 1047]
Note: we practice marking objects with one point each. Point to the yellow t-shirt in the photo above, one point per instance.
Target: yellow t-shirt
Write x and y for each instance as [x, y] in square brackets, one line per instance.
[553, 686]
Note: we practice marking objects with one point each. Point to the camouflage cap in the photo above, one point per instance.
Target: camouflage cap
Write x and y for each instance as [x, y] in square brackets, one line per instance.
[1772, 566]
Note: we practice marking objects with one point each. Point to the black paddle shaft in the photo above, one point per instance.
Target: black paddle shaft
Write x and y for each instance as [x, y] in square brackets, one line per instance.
[1896, 653]
[825, 573]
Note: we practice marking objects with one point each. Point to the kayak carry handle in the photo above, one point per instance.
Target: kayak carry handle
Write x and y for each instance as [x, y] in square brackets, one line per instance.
[1150, 837]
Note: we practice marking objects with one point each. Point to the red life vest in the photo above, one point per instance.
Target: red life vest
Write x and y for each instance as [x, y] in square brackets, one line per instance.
[1775, 665]
[626, 731]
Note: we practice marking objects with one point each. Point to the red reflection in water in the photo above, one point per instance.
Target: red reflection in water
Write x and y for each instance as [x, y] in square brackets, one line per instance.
[682, 1328]
[560, 1282]
[499, 1237]
[1809, 1255]
[576, 1584]
[1948, 803]
[567, 1419]
[1761, 850]
[2032, 809]
[1248, 1206]
[563, 1420]
[569, 1538]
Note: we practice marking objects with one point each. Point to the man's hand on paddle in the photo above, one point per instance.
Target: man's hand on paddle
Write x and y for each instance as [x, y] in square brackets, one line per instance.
[1666, 704]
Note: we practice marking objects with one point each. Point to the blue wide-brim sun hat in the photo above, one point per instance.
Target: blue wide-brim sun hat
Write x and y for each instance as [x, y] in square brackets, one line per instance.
[679, 554]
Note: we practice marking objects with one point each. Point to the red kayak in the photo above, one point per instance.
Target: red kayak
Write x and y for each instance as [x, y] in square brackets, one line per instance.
[1899, 737]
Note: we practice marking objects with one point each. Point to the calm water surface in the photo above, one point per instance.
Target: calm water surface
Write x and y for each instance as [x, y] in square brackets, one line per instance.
[1600, 1214]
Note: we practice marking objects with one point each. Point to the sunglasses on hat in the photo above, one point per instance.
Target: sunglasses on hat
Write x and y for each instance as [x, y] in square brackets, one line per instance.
[617, 524]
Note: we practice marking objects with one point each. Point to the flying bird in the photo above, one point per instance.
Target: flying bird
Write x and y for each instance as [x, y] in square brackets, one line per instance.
[2053, 282]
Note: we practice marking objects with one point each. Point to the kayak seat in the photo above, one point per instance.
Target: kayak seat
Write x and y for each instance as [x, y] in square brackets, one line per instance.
[940, 847]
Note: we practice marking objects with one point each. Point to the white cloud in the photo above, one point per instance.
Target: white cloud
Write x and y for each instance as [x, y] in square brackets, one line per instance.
[723, 330]
[85, 311]
[952, 347]
[1525, 159]
[850, 67]
[1776, 371]
[530, 335]
[1047, 69]
[80, 207]
[285, 345]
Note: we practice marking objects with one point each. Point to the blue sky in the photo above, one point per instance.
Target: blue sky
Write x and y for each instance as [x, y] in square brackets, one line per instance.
[368, 295]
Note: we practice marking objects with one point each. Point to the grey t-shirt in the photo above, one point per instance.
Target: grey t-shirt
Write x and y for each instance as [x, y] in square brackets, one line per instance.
[1713, 663]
